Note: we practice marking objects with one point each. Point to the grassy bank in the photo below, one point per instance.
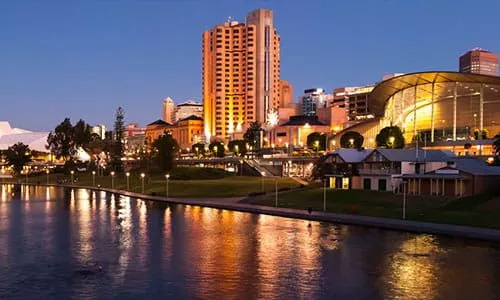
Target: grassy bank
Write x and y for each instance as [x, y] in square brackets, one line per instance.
[481, 211]
[183, 183]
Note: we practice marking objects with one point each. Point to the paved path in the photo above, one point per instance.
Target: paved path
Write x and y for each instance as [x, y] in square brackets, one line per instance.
[393, 224]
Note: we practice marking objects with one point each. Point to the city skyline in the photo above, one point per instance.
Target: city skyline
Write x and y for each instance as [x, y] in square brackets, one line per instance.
[92, 57]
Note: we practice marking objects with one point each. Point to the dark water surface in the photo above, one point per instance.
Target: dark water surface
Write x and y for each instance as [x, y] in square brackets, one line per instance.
[59, 243]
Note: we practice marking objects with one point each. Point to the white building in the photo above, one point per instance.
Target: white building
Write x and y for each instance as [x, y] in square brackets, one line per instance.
[187, 109]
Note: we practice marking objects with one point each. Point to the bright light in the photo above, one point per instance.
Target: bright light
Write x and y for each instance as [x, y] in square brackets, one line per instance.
[72, 172]
[391, 139]
[351, 141]
[167, 176]
[112, 173]
[127, 174]
[272, 118]
[46, 171]
[143, 175]
[93, 172]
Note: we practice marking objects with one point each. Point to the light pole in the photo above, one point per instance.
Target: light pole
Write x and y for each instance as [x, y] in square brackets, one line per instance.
[142, 179]
[215, 151]
[72, 173]
[391, 140]
[236, 148]
[112, 179]
[26, 173]
[93, 178]
[47, 172]
[276, 194]
[167, 176]
[404, 200]
[324, 194]
[263, 174]
[128, 180]
[241, 167]
[351, 142]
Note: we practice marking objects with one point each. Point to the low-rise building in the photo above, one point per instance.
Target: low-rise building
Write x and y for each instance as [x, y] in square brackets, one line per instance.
[188, 131]
[155, 129]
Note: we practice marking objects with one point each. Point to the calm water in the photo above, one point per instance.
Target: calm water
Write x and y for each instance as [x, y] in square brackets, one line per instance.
[54, 241]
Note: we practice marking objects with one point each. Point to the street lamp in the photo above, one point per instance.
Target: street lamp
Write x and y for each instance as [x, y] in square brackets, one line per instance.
[391, 140]
[72, 173]
[404, 200]
[316, 145]
[93, 178]
[112, 179]
[26, 173]
[215, 151]
[142, 179]
[276, 193]
[128, 180]
[351, 142]
[236, 149]
[241, 167]
[324, 194]
[167, 176]
[47, 172]
[263, 175]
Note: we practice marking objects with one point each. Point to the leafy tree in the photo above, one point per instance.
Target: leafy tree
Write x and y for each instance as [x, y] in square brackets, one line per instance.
[60, 141]
[217, 148]
[482, 136]
[82, 135]
[117, 148]
[317, 141]
[238, 146]
[166, 149]
[198, 149]
[252, 135]
[17, 156]
[496, 145]
[352, 139]
[390, 137]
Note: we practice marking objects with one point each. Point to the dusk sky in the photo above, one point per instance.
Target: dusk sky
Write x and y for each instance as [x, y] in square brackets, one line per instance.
[83, 59]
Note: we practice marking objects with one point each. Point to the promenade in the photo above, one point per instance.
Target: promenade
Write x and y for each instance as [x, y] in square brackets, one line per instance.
[383, 223]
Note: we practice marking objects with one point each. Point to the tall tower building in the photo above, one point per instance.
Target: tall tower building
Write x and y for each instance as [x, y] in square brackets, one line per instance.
[168, 111]
[241, 73]
[479, 61]
[286, 93]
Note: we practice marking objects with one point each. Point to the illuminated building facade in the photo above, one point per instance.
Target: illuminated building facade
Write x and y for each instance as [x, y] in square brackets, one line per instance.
[155, 130]
[355, 100]
[187, 109]
[312, 100]
[168, 110]
[188, 131]
[445, 110]
[479, 61]
[241, 74]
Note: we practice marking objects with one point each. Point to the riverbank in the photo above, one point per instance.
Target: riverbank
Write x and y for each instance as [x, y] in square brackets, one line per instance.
[234, 203]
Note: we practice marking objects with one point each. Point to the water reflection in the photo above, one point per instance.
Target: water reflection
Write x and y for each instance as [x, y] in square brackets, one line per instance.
[174, 251]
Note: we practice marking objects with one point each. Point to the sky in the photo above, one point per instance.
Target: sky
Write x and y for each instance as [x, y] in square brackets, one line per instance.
[83, 59]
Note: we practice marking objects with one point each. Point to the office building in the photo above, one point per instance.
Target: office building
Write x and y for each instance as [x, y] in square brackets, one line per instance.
[100, 130]
[479, 61]
[355, 100]
[241, 74]
[187, 109]
[312, 100]
[168, 110]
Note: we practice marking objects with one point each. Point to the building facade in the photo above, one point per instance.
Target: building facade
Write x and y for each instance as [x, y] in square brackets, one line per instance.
[188, 131]
[286, 94]
[187, 109]
[312, 100]
[100, 130]
[156, 129]
[168, 110]
[133, 129]
[355, 100]
[479, 61]
[241, 74]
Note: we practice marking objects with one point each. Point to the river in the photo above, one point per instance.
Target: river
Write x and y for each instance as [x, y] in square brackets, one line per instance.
[78, 244]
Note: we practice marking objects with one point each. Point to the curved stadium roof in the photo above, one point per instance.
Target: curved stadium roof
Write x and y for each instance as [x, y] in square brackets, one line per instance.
[385, 89]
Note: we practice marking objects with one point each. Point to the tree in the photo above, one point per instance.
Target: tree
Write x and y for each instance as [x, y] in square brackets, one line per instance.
[238, 147]
[166, 149]
[60, 141]
[390, 137]
[496, 145]
[252, 135]
[482, 136]
[198, 149]
[17, 156]
[117, 148]
[317, 141]
[217, 148]
[82, 135]
[351, 139]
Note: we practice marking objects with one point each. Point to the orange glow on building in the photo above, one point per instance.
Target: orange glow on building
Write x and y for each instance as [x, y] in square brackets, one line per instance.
[241, 73]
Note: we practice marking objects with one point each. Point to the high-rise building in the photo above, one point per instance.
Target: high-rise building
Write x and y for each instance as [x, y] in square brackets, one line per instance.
[241, 73]
[479, 61]
[168, 110]
[355, 100]
[312, 100]
[286, 93]
[187, 109]
[100, 130]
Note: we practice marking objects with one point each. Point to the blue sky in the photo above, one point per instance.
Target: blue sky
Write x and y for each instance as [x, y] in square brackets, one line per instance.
[83, 59]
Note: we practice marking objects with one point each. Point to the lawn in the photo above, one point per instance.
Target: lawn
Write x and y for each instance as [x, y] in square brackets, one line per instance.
[224, 184]
[470, 211]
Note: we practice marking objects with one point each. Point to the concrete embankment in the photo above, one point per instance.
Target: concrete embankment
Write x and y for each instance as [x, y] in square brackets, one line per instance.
[384, 223]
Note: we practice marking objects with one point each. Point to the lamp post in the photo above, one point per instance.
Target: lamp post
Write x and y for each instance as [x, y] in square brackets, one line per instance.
[241, 167]
[47, 172]
[128, 180]
[142, 179]
[263, 174]
[404, 200]
[276, 193]
[391, 140]
[316, 145]
[351, 142]
[215, 151]
[93, 178]
[112, 179]
[167, 176]
[236, 148]
[324, 194]
[26, 173]
[72, 173]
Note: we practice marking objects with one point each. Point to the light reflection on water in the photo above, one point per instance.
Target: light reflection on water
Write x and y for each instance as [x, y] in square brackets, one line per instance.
[53, 241]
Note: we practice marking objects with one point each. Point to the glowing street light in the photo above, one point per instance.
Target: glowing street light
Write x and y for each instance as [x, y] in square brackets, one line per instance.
[93, 178]
[128, 180]
[112, 179]
[215, 150]
[391, 140]
[72, 173]
[142, 179]
[47, 172]
[167, 176]
[351, 142]
[236, 148]
[241, 167]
